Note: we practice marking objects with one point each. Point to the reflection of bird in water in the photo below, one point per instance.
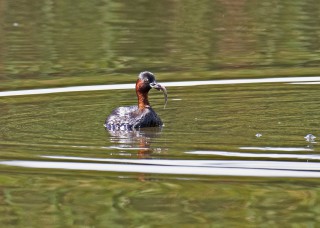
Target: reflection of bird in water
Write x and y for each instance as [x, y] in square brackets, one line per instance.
[141, 115]
[137, 139]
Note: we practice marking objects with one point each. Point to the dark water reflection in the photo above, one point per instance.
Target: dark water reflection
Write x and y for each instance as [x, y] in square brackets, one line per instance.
[231, 153]
[101, 201]
[43, 44]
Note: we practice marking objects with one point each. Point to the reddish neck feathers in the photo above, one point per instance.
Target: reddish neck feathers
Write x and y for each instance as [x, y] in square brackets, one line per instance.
[142, 94]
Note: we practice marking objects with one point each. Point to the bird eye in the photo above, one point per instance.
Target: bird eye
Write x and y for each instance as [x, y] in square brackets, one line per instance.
[146, 80]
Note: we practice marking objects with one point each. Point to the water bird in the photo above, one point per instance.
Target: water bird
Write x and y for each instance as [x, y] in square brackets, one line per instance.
[141, 115]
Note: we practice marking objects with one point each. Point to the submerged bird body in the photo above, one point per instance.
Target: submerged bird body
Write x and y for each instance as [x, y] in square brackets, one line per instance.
[137, 116]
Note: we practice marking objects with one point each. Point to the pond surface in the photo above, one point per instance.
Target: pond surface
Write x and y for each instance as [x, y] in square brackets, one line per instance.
[243, 86]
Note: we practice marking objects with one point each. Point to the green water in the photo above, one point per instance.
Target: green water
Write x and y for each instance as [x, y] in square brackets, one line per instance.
[228, 155]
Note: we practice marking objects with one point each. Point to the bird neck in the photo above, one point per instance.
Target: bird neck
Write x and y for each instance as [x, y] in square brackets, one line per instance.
[142, 94]
[143, 101]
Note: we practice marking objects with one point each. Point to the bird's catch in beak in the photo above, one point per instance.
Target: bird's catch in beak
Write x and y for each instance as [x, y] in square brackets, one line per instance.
[163, 89]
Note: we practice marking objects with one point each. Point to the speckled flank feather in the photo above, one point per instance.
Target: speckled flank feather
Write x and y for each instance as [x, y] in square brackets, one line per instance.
[127, 118]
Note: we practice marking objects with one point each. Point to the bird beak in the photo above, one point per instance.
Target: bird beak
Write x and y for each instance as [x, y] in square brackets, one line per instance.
[161, 88]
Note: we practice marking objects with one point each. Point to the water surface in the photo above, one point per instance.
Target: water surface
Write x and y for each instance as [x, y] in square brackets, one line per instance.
[206, 162]
[243, 84]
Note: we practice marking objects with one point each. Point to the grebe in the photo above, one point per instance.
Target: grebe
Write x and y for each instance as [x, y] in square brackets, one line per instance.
[141, 115]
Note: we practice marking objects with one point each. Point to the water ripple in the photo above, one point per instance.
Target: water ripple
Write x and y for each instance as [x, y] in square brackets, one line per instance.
[167, 84]
[257, 155]
[178, 167]
[267, 148]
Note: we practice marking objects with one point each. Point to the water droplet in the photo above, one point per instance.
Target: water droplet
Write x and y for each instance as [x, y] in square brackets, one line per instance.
[310, 137]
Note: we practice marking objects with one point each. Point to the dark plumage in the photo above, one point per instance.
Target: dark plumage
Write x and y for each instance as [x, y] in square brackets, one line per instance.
[141, 115]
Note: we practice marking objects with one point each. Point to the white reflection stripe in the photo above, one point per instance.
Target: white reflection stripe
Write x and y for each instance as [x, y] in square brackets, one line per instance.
[305, 83]
[243, 81]
[277, 148]
[271, 170]
[65, 89]
[167, 84]
[203, 163]
[256, 155]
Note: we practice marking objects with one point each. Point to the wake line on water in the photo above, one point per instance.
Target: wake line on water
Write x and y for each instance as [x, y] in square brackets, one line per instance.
[179, 167]
[293, 80]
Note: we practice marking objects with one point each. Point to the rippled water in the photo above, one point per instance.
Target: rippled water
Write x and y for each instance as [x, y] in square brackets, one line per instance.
[206, 162]
[243, 86]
